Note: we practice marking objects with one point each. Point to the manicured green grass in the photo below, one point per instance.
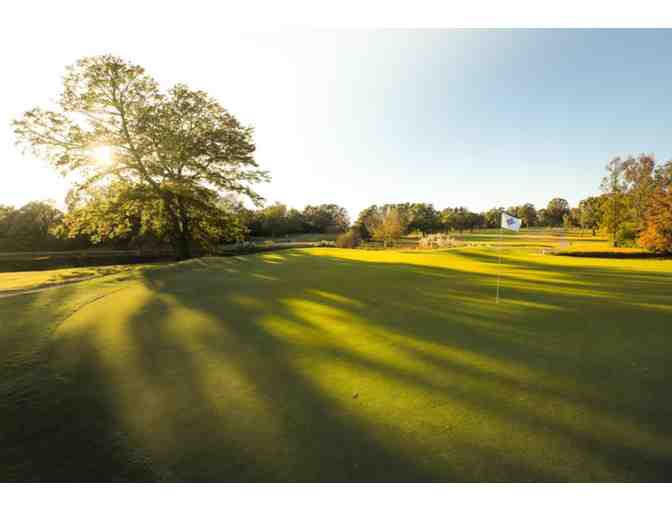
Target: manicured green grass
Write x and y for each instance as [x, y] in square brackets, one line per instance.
[344, 365]
[31, 280]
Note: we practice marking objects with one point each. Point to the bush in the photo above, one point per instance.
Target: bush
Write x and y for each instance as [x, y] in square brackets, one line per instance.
[437, 241]
[351, 239]
[626, 235]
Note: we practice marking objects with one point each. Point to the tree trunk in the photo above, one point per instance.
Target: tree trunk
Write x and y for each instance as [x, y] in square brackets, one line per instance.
[184, 237]
[183, 251]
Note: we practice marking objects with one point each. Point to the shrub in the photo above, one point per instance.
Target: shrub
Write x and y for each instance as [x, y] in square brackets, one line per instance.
[351, 239]
[626, 235]
[437, 241]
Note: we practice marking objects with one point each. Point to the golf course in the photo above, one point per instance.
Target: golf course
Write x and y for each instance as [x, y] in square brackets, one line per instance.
[327, 364]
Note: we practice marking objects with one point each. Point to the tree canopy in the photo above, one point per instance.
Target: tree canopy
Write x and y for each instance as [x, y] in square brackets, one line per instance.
[556, 210]
[171, 154]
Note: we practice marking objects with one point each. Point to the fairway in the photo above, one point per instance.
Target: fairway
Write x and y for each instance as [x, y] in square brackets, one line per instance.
[324, 364]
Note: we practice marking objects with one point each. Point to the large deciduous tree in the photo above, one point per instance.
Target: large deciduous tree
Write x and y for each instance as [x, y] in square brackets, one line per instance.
[555, 211]
[424, 218]
[590, 213]
[492, 217]
[385, 225]
[639, 184]
[526, 212]
[323, 218]
[614, 205]
[657, 234]
[366, 218]
[170, 154]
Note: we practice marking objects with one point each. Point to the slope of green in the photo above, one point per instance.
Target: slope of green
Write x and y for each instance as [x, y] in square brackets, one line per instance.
[31, 280]
[344, 365]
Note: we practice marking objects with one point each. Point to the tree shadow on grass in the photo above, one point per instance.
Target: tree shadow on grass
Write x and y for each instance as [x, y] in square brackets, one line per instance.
[309, 368]
[58, 423]
[270, 360]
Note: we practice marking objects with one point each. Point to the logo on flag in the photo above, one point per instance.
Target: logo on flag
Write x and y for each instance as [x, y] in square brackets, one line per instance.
[510, 222]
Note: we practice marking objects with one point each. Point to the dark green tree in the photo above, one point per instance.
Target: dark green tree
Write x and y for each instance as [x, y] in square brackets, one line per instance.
[590, 213]
[555, 212]
[424, 218]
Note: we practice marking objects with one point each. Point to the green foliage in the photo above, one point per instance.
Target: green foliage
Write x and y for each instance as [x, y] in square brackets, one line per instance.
[614, 200]
[328, 218]
[614, 213]
[491, 217]
[528, 214]
[460, 218]
[414, 217]
[385, 225]
[555, 212]
[133, 214]
[638, 184]
[366, 217]
[423, 218]
[626, 234]
[590, 213]
[276, 220]
[35, 226]
[634, 206]
[179, 150]
[273, 220]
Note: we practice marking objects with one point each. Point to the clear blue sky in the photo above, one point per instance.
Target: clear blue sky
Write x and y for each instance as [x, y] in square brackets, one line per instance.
[472, 118]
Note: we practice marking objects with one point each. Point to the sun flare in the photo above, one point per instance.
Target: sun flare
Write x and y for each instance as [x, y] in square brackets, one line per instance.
[102, 155]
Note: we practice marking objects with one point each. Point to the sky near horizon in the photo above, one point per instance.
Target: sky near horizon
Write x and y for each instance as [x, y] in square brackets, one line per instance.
[476, 118]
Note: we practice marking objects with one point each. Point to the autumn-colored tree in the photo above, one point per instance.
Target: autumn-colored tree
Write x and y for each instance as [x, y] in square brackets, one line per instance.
[657, 234]
[385, 226]
[175, 152]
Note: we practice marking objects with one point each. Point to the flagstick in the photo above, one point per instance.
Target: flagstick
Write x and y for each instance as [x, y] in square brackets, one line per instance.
[499, 267]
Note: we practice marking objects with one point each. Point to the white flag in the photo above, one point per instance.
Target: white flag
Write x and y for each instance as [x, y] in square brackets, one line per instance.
[511, 223]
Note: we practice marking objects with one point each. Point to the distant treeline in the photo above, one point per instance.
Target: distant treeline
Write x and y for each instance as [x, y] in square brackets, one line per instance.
[635, 208]
[35, 227]
[277, 220]
[41, 226]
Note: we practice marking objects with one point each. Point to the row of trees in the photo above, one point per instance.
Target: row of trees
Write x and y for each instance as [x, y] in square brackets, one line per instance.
[424, 218]
[35, 226]
[117, 217]
[277, 220]
[636, 207]
[171, 167]
[636, 203]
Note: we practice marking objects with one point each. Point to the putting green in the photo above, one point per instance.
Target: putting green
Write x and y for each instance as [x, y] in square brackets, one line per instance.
[344, 365]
